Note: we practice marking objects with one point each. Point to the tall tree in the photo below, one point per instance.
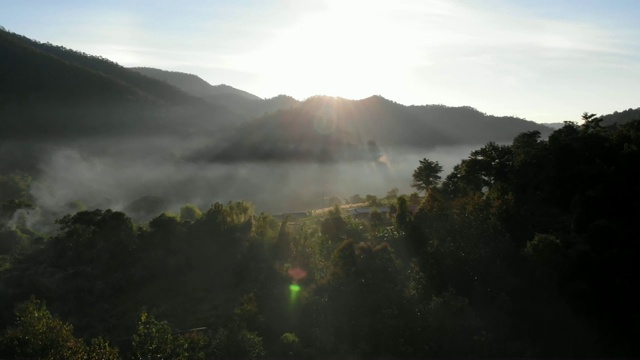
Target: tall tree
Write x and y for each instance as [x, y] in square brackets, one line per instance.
[426, 175]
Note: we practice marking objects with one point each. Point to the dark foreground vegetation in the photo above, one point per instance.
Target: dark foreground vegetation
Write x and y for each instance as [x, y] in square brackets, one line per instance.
[526, 249]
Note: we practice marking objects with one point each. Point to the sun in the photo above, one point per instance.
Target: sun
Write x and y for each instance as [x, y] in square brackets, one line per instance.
[346, 49]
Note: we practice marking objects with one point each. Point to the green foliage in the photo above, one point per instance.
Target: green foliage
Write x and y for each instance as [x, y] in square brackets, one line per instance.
[453, 327]
[99, 349]
[289, 338]
[14, 187]
[426, 175]
[93, 236]
[524, 250]
[343, 260]
[345, 318]
[376, 219]
[371, 200]
[543, 248]
[38, 334]
[333, 226]
[154, 340]
[414, 199]
[392, 195]
[235, 342]
[356, 199]
[403, 216]
[190, 212]
[485, 167]
[291, 346]
[266, 227]
[10, 207]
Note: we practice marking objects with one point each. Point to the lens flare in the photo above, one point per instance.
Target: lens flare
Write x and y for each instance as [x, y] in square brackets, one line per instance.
[297, 274]
[294, 289]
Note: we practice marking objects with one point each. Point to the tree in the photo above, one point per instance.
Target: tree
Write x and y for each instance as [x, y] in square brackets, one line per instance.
[376, 219]
[14, 186]
[591, 123]
[38, 334]
[154, 340]
[99, 349]
[403, 217]
[426, 175]
[333, 201]
[190, 213]
[392, 194]
[334, 225]
[356, 199]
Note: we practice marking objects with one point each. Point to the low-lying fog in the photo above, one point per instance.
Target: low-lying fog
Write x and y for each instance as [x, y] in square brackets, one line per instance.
[109, 174]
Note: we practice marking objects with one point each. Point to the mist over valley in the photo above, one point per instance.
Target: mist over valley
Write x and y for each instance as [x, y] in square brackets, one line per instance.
[95, 133]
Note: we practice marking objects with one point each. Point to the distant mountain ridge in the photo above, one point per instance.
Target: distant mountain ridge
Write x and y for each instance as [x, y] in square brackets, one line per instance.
[621, 117]
[239, 101]
[331, 129]
[288, 129]
[51, 92]
[192, 84]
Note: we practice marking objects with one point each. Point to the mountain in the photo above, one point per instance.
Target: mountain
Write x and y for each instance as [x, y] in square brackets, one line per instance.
[50, 92]
[621, 117]
[241, 102]
[555, 125]
[193, 84]
[330, 129]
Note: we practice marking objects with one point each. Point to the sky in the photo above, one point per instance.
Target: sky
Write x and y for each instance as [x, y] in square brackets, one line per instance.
[543, 60]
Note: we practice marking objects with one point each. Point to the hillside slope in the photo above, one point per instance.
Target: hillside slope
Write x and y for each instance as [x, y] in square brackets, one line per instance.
[330, 129]
[51, 92]
[239, 101]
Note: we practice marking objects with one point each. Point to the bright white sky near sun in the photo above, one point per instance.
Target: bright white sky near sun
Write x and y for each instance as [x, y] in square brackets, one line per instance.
[544, 60]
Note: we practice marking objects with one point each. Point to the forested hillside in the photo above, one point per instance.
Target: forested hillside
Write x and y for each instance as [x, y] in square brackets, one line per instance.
[246, 105]
[50, 93]
[193, 85]
[523, 250]
[52, 97]
[332, 129]
[621, 117]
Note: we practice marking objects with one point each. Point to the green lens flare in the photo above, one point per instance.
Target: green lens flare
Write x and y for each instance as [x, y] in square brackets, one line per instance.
[294, 289]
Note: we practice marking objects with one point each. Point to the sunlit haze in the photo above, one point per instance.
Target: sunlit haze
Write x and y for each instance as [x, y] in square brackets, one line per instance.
[546, 61]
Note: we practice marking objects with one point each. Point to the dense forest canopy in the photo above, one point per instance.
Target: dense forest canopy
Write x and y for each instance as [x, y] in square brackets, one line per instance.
[524, 249]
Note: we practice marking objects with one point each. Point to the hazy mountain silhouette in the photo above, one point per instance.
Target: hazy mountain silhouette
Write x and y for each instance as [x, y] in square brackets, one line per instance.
[555, 125]
[51, 92]
[327, 129]
[621, 117]
[193, 84]
[239, 101]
